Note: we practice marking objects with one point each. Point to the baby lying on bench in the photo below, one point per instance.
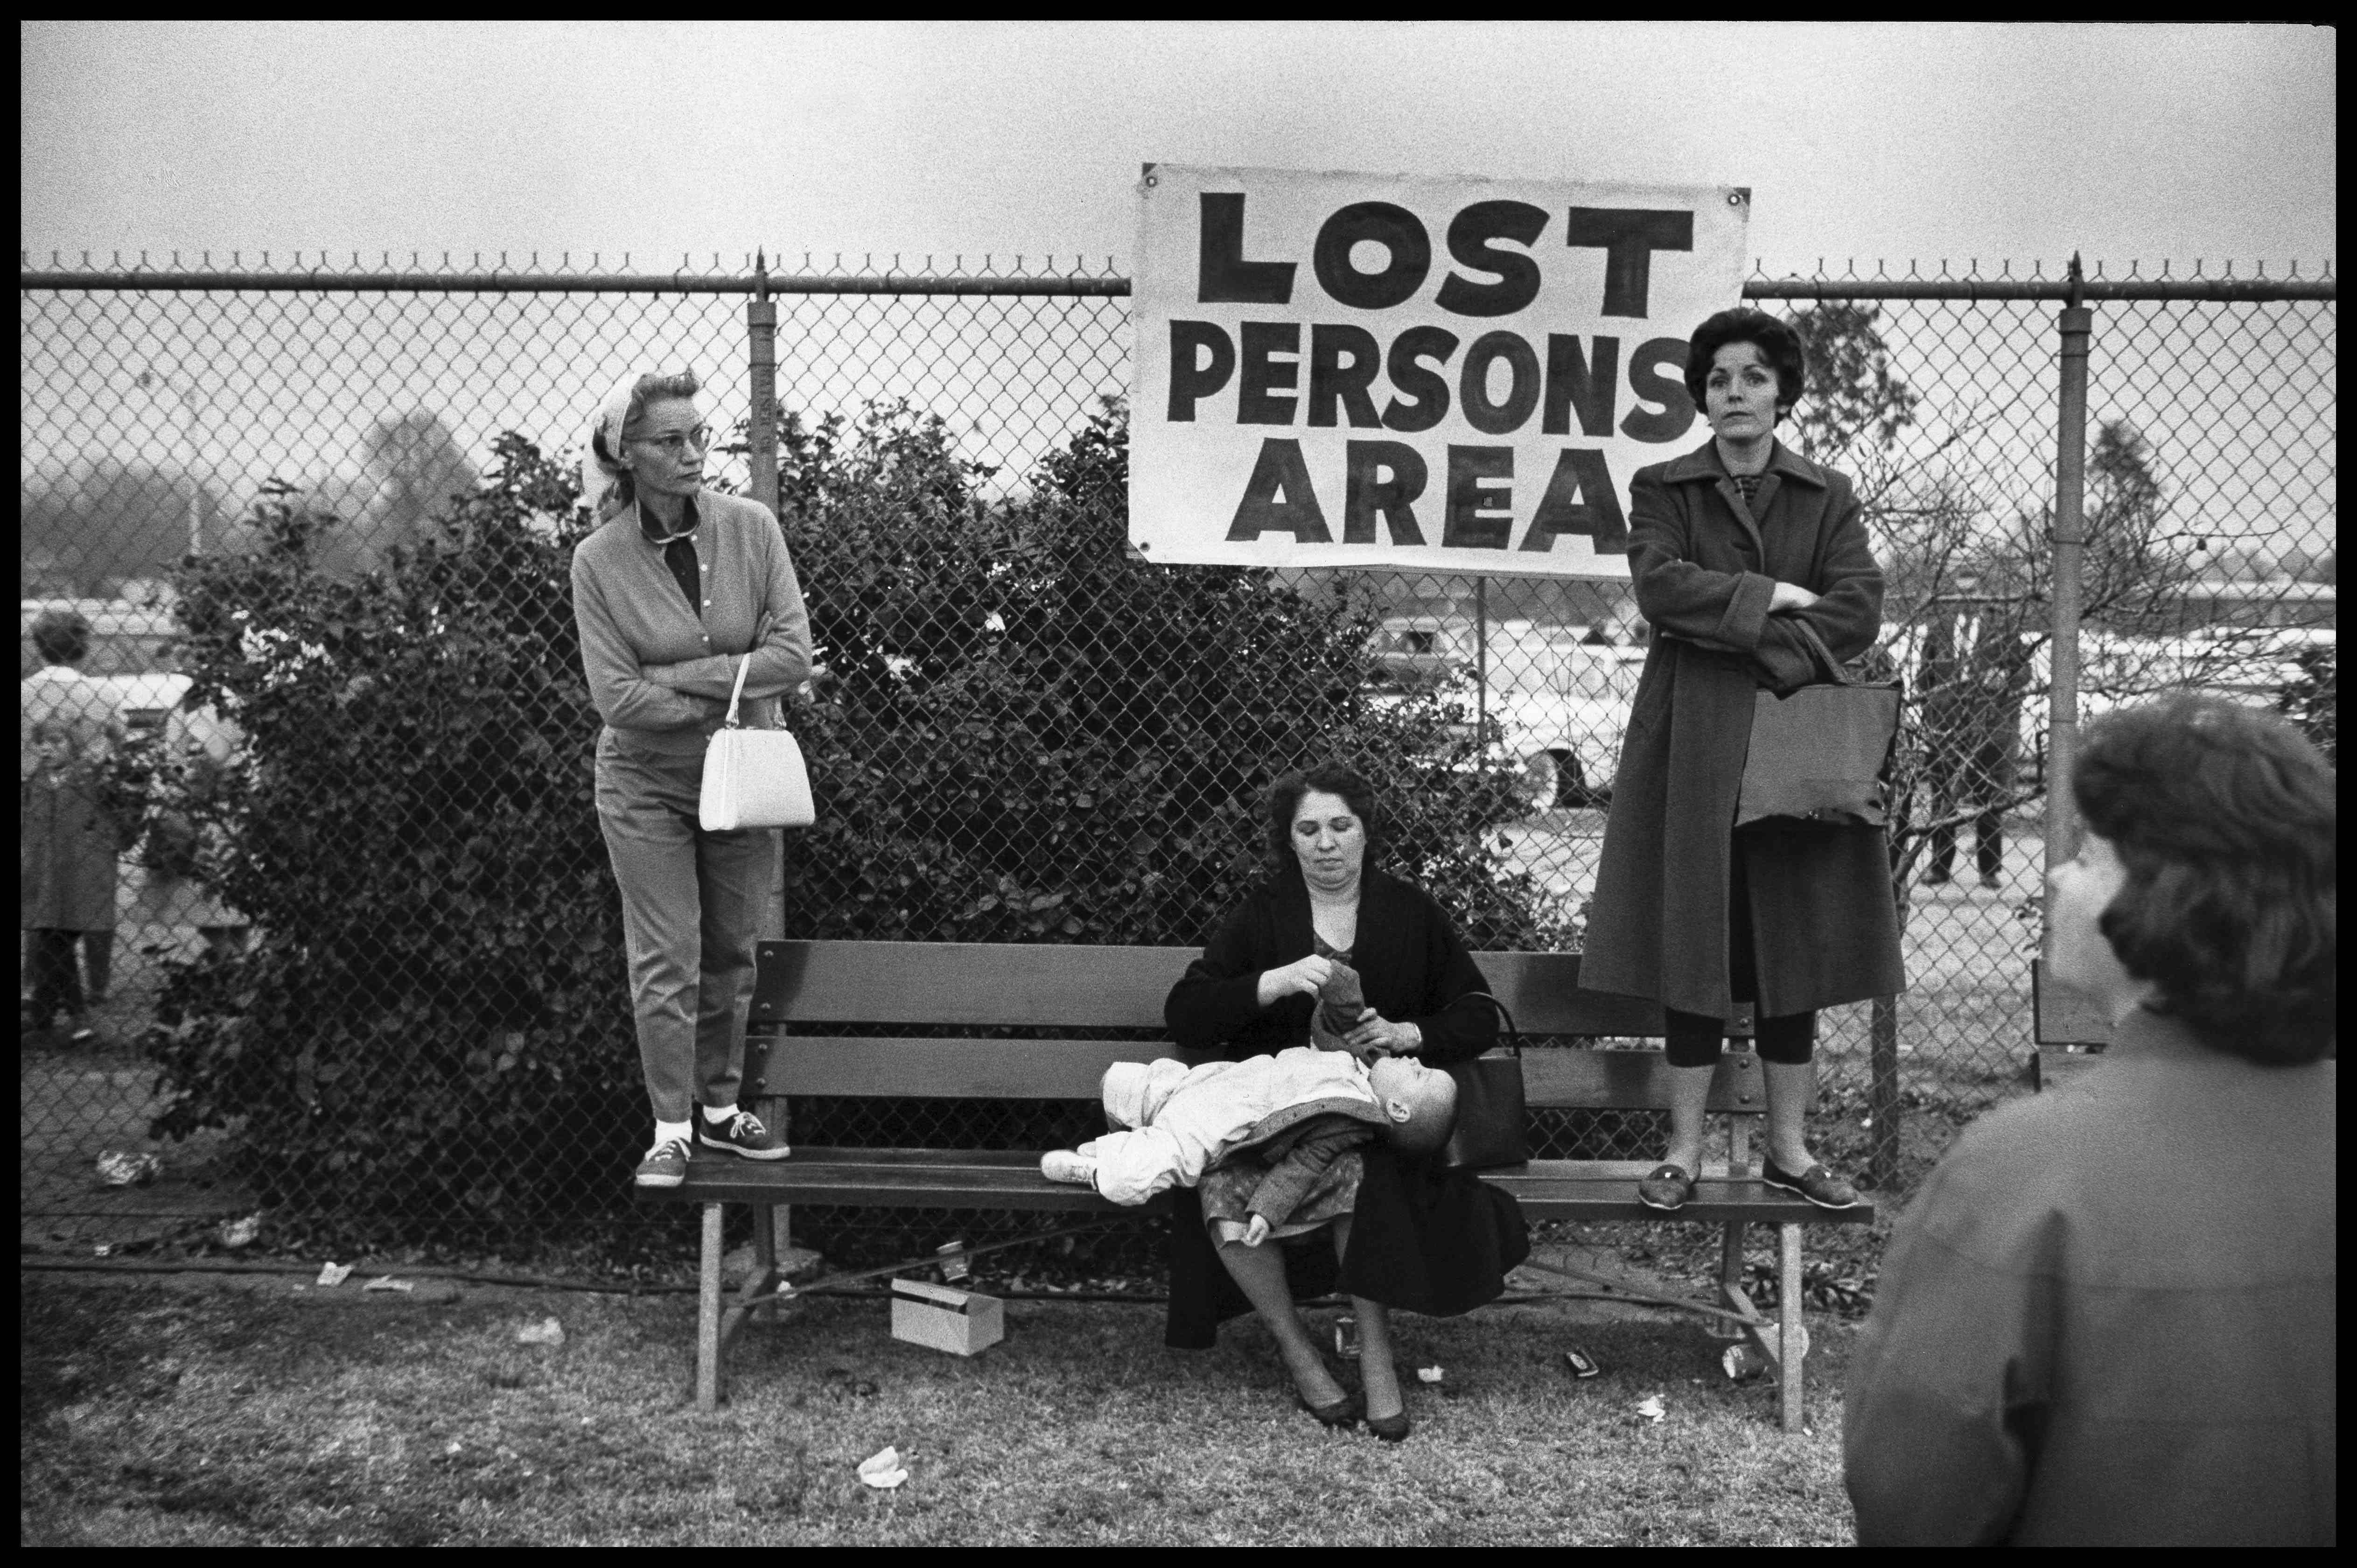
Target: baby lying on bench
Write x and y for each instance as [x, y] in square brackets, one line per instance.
[1288, 1117]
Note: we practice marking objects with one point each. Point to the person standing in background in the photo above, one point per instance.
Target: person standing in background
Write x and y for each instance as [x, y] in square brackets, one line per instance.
[1975, 671]
[66, 842]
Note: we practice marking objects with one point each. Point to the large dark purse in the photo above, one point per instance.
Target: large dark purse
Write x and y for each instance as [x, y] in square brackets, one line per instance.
[1819, 751]
[1489, 1129]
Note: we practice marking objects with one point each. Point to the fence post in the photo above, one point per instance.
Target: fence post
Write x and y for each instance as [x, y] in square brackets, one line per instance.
[761, 444]
[1882, 1091]
[761, 366]
[2070, 544]
[1480, 661]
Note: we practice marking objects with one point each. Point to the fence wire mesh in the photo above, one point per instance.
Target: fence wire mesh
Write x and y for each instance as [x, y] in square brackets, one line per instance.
[316, 908]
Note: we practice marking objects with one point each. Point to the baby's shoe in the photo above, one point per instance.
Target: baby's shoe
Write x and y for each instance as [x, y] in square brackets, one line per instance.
[1068, 1166]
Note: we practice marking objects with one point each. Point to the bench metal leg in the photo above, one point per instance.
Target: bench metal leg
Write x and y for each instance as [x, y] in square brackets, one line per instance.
[764, 1258]
[707, 1315]
[1792, 1341]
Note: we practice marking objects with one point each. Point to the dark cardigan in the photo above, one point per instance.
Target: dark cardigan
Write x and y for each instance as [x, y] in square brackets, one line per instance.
[1421, 1239]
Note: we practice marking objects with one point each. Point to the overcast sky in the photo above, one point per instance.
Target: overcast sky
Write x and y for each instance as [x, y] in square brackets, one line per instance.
[1903, 141]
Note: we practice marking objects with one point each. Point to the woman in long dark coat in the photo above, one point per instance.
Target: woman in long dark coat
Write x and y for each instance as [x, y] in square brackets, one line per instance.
[1407, 1233]
[1732, 547]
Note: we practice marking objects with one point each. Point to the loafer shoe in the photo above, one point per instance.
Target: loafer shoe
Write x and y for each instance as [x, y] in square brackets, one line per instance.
[1390, 1428]
[1816, 1184]
[743, 1135]
[1344, 1412]
[665, 1164]
[1666, 1188]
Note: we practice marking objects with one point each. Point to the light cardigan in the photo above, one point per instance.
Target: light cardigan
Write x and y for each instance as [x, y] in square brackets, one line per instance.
[648, 656]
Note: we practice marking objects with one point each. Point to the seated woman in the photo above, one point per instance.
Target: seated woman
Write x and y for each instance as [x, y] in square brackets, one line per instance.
[1407, 1233]
[2109, 1318]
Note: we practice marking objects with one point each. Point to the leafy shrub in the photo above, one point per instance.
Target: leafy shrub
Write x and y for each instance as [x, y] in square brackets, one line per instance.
[1030, 734]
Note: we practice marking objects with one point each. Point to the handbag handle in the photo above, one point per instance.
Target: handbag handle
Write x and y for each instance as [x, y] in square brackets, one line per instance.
[1824, 656]
[1513, 1031]
[744, 668]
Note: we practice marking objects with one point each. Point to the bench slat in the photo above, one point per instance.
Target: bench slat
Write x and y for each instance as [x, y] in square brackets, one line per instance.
[1547, 1189]
[1072, 1069]
[988, 983]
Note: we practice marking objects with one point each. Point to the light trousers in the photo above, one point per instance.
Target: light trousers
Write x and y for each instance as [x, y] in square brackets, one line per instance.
[691, 911]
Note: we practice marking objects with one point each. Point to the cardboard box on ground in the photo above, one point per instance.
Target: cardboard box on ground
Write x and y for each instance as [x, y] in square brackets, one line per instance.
[960, 1322]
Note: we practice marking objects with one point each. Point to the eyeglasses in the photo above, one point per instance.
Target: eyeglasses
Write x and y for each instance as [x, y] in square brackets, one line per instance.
[676, 442]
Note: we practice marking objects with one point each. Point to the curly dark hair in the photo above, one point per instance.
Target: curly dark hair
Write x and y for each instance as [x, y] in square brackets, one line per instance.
[2225, 820]
[61, 637]
[1329, 779]
[1778, 343]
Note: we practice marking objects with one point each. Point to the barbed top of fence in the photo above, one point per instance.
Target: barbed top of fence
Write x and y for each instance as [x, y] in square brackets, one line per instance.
[566, 272]
[534, 271]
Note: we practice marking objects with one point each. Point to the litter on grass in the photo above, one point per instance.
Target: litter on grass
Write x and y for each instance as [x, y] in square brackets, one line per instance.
[1583, 1365]
[386, 1282]
[123, 1167]
[241, 1232]
[547, 1331]
[883, 1470]
[1428, 1374]
[1651, 1408]
[333, 1275]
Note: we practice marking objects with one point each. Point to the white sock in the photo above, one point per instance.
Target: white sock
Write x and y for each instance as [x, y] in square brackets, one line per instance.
[717, 1114]
[666, 1130]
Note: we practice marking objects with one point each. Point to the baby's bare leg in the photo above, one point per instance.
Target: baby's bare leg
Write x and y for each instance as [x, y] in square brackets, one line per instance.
[1259, 1273]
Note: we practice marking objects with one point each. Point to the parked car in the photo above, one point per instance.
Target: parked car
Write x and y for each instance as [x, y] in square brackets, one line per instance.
[1558, 695]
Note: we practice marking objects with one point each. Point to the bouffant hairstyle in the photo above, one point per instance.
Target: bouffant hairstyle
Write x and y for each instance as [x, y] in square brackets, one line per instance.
[1778, 344]
[1331, 779]
[2225, 820]
[61, 637]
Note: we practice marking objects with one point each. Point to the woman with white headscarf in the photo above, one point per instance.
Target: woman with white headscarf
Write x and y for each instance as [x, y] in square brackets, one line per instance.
[673, 587]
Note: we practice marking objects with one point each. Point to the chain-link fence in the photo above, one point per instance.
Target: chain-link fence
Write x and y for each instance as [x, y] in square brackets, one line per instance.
[316, 906]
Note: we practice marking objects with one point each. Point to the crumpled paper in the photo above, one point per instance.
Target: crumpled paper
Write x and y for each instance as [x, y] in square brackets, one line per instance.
[333, 1275]
[1428, 1374]
[1651, 1408]
[386, 1282]
[547, 1331]
[125, 1167]
[883, 1470]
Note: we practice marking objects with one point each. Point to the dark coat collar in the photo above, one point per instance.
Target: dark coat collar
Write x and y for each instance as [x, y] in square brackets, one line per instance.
[1702, 464]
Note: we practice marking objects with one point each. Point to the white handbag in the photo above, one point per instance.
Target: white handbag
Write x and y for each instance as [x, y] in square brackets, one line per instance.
[753, 778]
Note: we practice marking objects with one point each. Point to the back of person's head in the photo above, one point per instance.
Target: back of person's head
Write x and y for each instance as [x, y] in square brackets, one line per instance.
[1328, 778]
[1419, 1103]
[61, 637]
[1780, 347]
[2225, 820]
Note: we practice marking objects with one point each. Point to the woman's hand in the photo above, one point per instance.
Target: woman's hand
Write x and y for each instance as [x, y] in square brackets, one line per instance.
[1306, 975]
[1378, 1035]
[1789, 596]
[1256, 1232]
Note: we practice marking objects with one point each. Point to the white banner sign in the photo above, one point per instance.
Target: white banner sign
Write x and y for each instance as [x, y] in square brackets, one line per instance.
[1452, 375]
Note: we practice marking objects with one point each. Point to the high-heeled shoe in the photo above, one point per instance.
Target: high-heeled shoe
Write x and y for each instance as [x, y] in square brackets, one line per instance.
[1390, 1428]
[1344, 1412]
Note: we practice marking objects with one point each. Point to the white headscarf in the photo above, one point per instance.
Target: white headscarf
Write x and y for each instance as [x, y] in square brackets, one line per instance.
[599, 475]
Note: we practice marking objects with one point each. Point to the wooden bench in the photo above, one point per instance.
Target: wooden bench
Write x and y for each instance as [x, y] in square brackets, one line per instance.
[804, 989]
[2071, 1031]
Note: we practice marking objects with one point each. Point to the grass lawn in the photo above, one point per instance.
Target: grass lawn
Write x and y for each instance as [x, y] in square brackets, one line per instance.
[201, 1411]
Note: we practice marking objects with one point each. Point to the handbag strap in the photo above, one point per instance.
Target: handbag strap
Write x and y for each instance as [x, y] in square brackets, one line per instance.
[744, 667]
[1824, 656]
[1513, 1033]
